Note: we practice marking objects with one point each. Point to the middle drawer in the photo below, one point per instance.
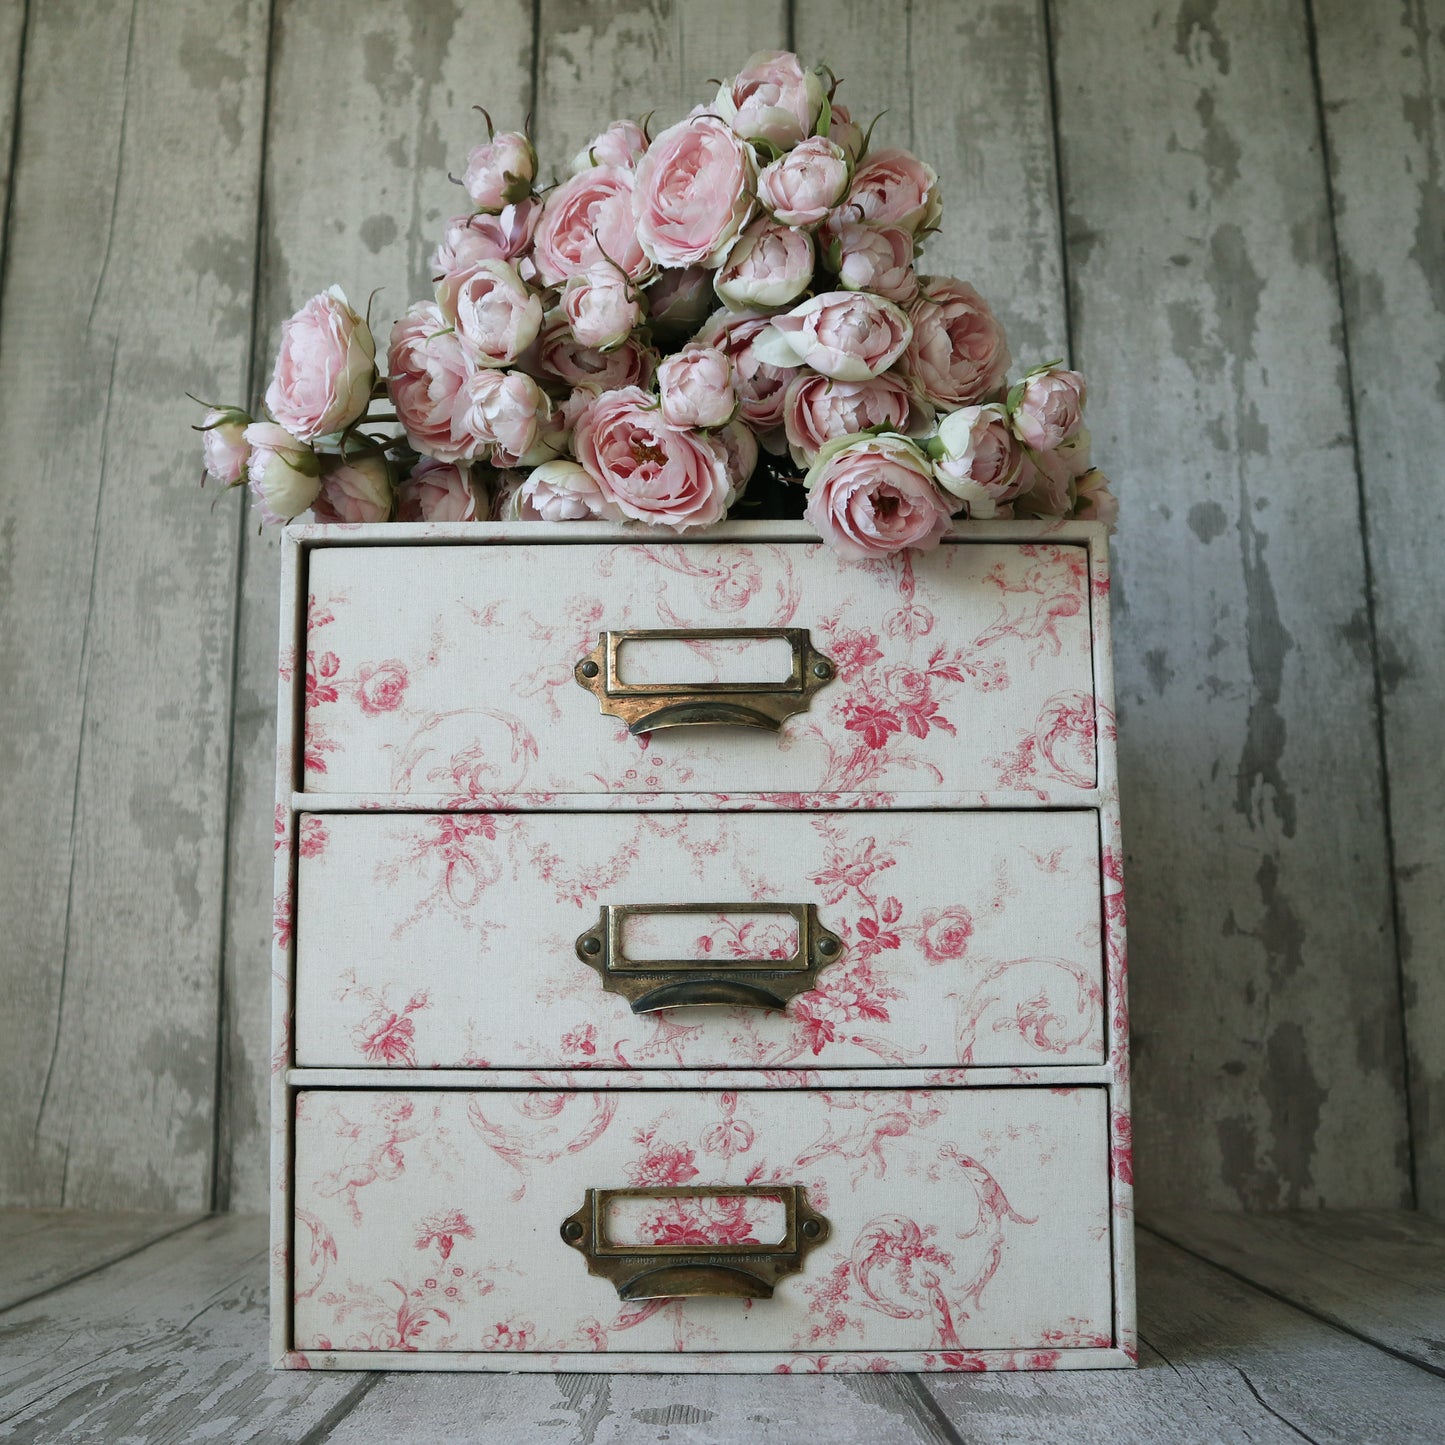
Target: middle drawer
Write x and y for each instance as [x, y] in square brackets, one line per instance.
[581, 940]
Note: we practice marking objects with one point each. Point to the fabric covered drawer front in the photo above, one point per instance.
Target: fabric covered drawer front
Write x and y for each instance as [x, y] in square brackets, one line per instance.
[457, 939]
[956, 1219]
[450, 671]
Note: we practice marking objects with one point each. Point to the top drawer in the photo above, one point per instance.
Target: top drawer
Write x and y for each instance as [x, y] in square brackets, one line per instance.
[449, 673]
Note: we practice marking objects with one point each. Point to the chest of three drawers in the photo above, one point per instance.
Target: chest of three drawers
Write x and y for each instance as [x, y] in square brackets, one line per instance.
[508, 1133]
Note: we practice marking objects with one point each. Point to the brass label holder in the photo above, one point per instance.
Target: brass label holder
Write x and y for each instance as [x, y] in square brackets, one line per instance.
[653, 984]
[680, 1271]
[648, 706]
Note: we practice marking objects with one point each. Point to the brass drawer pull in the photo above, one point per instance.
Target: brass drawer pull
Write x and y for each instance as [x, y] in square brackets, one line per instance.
[647, 706]
[675, 1271]
[652, 984]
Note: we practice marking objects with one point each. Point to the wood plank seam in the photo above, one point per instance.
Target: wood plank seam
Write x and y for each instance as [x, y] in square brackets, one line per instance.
[916, 1385]
[1274, 1294]
[1371, 627]
[1046, 14]
[14, 156]
[325, 1427]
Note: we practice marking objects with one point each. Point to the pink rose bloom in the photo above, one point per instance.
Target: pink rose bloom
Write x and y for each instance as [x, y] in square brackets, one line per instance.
[496, 316]
[358, 491]
[380, 686]
[693, 194]
[894, 188]
[428, 374]
[559, 356]
[585, 220]
[601, 306]
[978, 459]
[945, 933]
[224, 444]
[817, 410]
[325, 368]
[1052, 475]
[875, 258]
[697, 388]
[872, 495]
[563, 491]
[845, 132]
[959, 354]
[284, 474]
[469, 239]
[507, 409]
[440, 492]
[680, 299]
[650, 471]
[740, 455]
[1049, 408]
[848, 335]
[500, 173]
[772, 98]
[623, 143]
[1094, 501]
[761, 387]
[801, 187]
[770, 266]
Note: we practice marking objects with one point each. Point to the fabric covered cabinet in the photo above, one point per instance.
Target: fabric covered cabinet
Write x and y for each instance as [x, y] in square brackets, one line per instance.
[700, 954]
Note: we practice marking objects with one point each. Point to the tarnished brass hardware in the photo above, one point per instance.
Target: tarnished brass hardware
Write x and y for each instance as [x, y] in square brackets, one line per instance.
[653, 984]
[677, 1271]
[648, 706]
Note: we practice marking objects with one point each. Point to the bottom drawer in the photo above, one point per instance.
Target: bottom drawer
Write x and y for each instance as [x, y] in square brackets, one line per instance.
[952, 1220]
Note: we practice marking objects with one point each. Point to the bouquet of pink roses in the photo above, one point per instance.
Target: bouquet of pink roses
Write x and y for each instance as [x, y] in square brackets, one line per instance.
[673, 333]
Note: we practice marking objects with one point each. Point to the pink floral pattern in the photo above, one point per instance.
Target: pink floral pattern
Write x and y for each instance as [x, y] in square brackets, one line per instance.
[946, 1208]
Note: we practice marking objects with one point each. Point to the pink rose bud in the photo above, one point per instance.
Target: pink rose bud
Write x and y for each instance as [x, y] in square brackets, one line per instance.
[284, 473]
[872, 495]
[224, 444]
[500, 173]
[844, 132]
[563, 491]
[585, 220]
[697, 388]
[894, 188]
[508, 410]
[977, 458]
[1093, 500]
[772, 98]
[469, 239]
[848, 335]
[770, 266]
[428, 375]
[694, 193]
[1047, 407]
[818, 410]
[559, 356]
[959, 354]
[1053, 475]
[496, 316]
[325, 368]
[441, 492]
[740, 455]
[356, 491]
[601, 306]
[623, 143]
[875, 258]
[761, 387]
[650, 471]
[801, 187]
[679, 300]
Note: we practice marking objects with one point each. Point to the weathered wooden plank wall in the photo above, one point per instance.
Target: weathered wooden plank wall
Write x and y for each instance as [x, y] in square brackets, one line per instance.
[1228, 212]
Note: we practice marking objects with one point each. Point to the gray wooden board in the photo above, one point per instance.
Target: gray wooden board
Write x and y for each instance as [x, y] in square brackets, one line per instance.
[1379, 1275]
[43, 1248]
[966, 88]
[358, 202]
[1220, 1362]
[127, 282]
[168, 1345]
[1383, 88]
[12, 46]
[1267, 1041]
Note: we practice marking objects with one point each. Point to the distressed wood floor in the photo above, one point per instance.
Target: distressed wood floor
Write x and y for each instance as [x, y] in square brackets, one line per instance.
[1322, 1328]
